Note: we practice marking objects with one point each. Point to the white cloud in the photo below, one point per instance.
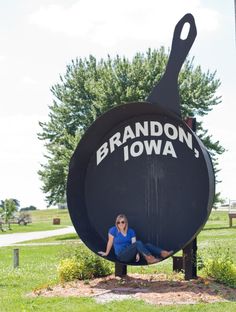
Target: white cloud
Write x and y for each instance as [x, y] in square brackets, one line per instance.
[108, 22]
[21, 153]
[27, 80]
[2, 58]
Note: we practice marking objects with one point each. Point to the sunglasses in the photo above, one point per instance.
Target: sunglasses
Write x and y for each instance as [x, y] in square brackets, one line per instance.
[122, 222]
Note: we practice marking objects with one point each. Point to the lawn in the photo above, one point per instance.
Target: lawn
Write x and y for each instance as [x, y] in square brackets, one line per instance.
[38, 269]
[42, 221]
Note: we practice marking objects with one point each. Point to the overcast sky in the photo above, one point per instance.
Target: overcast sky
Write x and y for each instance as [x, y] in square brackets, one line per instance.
[39, 38]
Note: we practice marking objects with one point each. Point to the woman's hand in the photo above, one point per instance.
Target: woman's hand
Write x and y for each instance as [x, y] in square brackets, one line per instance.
[108, 248]
[137, 257]
[102, 253]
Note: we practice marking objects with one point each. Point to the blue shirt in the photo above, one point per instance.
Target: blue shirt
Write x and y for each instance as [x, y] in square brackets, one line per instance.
[121, 241]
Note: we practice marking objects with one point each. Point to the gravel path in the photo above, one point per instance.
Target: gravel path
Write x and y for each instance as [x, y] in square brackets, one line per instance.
[11, 239]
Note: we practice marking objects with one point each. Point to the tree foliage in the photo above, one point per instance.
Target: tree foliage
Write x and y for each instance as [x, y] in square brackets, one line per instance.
[90, 87]
[7, 209]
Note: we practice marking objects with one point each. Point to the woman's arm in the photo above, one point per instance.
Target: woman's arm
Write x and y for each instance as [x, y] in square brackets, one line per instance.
[109, 245]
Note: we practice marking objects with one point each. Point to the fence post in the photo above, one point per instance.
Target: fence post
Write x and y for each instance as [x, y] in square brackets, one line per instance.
[15, 258]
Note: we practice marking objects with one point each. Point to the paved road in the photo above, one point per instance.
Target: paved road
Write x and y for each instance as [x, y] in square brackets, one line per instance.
[10, 239]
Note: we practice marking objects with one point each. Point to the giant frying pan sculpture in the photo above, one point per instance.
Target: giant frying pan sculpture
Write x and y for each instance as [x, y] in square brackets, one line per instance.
[141, 159]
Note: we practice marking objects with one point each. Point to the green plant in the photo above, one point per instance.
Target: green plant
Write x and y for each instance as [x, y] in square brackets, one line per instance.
[221, 267]
[200, 262]
[7, 209]
[81, 263]
[68, 270]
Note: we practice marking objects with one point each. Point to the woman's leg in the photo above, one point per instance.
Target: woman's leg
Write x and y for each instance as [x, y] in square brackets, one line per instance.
[128, 254]
[142, 248]
[154, 250]
[146, 253]
[157, 251]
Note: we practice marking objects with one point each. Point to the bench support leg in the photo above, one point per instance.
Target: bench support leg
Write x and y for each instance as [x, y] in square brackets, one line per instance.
[188, 262]
[120, 269]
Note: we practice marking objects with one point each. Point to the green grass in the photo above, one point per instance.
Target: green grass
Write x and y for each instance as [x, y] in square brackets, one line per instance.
[218, 233]
[38, 269]
[65, 238]
[49, 214]
[42, 221]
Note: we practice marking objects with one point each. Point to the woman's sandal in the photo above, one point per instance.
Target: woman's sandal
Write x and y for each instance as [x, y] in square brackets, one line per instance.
[151, 259]
[169, 254]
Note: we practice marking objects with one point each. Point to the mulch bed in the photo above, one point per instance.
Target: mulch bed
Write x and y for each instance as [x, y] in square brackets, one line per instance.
[156, 289]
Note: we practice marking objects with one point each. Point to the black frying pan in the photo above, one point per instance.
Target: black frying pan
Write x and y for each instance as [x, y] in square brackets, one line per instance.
[142, 160]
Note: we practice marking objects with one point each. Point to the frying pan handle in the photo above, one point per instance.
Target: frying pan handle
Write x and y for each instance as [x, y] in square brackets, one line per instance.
[181, 47]
[166, 93]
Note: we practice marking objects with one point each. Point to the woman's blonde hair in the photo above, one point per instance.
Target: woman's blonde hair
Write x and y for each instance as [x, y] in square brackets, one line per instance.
[122, 216]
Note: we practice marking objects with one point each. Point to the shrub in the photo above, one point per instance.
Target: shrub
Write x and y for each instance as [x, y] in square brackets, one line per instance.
[81, 263]
[221, 268]
[68, 270]
[200, 262]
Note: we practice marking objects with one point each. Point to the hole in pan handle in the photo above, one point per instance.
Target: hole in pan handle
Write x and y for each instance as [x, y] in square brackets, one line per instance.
[166, 93]
[180, 48]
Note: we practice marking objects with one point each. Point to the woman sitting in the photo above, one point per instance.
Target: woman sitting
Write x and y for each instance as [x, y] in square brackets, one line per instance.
[127, 248]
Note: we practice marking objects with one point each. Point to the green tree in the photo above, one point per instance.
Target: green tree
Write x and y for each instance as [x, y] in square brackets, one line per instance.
[54, 173]
[7, 209]
[90, 87]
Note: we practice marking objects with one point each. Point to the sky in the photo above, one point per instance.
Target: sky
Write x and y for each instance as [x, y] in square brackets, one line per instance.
[40, 38]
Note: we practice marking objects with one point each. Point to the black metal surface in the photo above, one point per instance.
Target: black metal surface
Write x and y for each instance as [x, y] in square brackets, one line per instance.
[178, 264]
[190, 260]
[166, 93]
[120, 269]
[166, 192]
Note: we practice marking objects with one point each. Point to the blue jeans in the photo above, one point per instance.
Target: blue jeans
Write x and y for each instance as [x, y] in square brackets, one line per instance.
[129, 253]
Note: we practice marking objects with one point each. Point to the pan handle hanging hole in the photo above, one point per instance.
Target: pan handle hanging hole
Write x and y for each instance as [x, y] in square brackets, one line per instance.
[185, 31]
